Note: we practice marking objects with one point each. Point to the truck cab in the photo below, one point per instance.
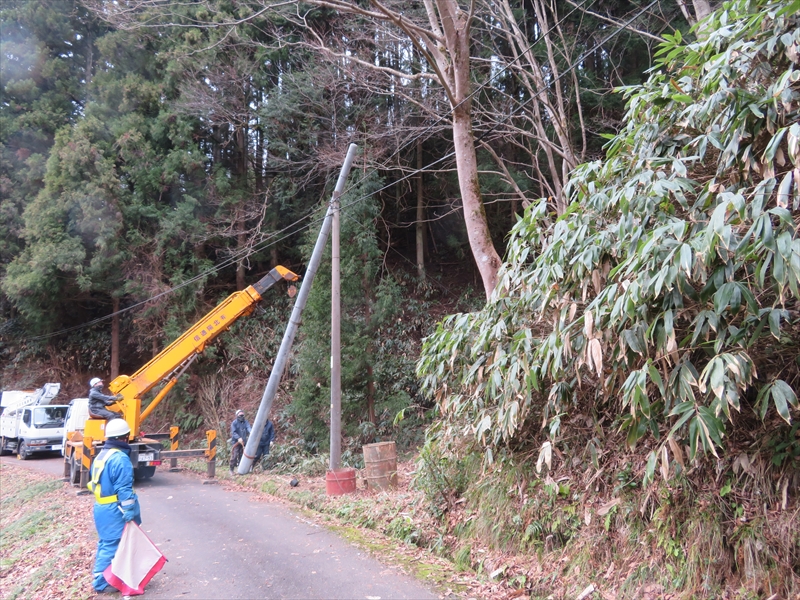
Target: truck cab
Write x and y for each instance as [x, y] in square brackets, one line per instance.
[32, 429]
[77, 414]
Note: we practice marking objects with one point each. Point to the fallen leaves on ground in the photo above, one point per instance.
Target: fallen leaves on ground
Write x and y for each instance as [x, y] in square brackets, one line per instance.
[48, 541]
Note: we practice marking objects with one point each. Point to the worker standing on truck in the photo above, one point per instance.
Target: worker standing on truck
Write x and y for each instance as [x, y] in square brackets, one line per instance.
[240, 431]
[98, 401]
[115, 501]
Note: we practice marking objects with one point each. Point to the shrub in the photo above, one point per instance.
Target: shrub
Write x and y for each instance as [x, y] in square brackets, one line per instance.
[663, 302]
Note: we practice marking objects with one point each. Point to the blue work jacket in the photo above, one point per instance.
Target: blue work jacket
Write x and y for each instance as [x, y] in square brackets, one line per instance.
[240, 429]
[268, 434]
[116, 478]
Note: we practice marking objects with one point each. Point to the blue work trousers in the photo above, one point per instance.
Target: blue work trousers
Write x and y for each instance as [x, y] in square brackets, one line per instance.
[106, 549]
[110, 524]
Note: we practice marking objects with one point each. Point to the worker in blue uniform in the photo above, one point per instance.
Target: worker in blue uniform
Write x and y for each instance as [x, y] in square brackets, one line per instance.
[266, 439]
[240, 431]
[115, 501]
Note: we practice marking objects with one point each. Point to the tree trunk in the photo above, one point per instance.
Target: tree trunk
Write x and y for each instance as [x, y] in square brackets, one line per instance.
[486, 257]
[702, 8]
[115, 338]
[455, 26]
[259, 160]
[420, 216]
[371, 396]
[273, 249]
[89, 61]
[240, 223]
[241, 242]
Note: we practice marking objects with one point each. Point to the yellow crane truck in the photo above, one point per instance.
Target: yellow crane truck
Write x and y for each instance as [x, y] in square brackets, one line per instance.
[146, 450]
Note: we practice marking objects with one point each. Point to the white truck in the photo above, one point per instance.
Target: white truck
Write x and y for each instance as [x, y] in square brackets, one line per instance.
[29, 423]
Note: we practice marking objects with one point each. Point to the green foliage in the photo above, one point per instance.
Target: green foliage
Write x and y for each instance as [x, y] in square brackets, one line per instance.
[663, 297]
[403, 528]
[298, 456]
[442, 477]
[462, 558]
[115, 215]
[377, 367]
[46, 47]
[188, 421]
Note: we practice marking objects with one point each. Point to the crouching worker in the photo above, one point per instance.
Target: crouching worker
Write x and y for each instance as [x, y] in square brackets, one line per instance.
[115, 502]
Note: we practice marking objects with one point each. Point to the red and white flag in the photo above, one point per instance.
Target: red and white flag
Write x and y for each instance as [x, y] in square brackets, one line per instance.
[136, 561]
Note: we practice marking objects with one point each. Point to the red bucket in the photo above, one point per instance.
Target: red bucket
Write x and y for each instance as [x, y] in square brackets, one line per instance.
[340, 481]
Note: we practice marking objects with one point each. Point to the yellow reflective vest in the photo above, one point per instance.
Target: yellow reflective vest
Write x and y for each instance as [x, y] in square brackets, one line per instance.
[97, 469]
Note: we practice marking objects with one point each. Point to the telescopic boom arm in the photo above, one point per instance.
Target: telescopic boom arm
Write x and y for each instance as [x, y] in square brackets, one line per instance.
[171, 362]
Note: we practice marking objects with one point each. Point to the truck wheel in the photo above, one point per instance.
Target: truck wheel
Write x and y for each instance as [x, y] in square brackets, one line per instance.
[3, 450]
[22, 451]
[140, 473]
[74, 471]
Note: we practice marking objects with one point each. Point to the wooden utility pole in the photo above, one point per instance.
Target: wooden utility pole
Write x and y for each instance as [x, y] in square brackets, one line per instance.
[336, 338]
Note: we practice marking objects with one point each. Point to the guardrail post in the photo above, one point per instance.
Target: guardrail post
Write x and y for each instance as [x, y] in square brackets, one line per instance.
[211, 456]
[86, 464]
[173, 445]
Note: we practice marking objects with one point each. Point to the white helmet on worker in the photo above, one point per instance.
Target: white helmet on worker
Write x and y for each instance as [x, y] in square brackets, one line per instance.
[95, 381]
[239, 413]
[117, 428]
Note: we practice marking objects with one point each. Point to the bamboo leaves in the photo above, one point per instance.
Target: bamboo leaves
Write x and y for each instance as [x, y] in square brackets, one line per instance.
[782, 395]
[670, 289]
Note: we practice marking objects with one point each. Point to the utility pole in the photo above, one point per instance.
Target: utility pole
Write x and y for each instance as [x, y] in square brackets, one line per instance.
[336, 339]
[294, 322]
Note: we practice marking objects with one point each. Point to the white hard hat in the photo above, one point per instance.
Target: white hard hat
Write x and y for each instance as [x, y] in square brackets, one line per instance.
[117, 428]
[95, 381]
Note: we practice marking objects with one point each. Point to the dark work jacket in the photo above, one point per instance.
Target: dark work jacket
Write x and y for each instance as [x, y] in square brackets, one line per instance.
[98, 399]
[240, 429]
[267, 435]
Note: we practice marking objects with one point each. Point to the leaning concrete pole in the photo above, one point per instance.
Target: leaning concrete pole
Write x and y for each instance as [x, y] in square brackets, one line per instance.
[294, 322]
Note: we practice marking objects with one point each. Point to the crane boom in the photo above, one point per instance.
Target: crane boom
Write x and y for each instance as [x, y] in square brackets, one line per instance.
[168, 364]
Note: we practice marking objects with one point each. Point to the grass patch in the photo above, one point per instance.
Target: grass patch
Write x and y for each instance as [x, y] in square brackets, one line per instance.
[438, 573]
[14, 495]
[47, 541]
[26, 527]
[269, 487]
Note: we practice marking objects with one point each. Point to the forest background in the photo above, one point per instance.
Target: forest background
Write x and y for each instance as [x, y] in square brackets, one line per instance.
[618, 377]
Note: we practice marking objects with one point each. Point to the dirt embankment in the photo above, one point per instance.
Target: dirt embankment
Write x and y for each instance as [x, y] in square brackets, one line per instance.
[48, 541]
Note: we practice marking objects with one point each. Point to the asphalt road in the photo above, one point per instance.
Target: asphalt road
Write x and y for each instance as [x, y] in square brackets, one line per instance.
[223, 543]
